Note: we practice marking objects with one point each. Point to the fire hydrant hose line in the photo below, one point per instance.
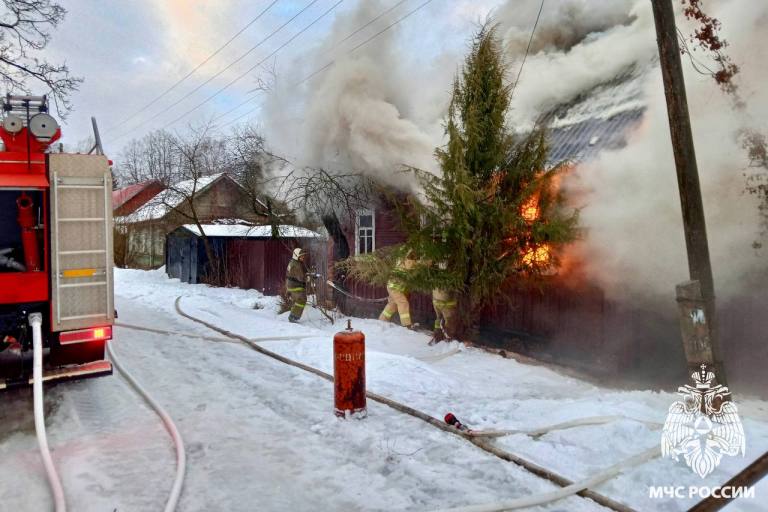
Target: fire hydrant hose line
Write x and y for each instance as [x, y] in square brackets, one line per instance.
[568, 487]
[36, 321]
[181, 456]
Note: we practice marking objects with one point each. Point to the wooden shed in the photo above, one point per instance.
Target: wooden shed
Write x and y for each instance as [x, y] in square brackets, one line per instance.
[247, 256]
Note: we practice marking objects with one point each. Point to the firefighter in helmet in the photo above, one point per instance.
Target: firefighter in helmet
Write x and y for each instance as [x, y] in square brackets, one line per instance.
[397, 292]
[296, 282]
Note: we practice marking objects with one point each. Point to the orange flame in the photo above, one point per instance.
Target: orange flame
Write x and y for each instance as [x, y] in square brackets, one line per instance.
[538, 256]
[530, 209]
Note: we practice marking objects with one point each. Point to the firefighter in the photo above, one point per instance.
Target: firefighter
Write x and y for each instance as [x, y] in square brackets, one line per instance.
[397, 292]
[444, 304]
[295, 284]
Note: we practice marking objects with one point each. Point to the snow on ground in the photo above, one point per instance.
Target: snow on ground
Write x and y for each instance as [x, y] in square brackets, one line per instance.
[262, 435]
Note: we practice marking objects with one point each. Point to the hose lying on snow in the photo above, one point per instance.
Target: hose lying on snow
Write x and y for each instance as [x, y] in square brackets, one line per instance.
[581, 422]
[36, 321]
[181, 457]
[547, 497]
[209, 338]
[480, 442]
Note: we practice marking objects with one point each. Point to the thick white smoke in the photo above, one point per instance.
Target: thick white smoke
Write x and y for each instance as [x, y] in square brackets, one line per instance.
[634, 243]
[562, 25]
[573, 53]
[355, 115]
[374, 111]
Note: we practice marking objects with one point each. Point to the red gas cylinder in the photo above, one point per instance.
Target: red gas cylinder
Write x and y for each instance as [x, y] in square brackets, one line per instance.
[349, 373]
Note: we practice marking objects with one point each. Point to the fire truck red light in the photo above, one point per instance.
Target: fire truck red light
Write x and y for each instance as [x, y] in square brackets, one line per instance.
[97, 334]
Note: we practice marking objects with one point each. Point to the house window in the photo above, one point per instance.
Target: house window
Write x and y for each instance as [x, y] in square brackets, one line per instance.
[365, 226]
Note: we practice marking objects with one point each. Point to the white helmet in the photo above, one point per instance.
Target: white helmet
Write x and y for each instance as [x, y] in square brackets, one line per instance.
[298, 252]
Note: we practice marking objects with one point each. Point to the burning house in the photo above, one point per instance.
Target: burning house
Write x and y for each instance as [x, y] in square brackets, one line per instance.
[590, 75]
[571, 320]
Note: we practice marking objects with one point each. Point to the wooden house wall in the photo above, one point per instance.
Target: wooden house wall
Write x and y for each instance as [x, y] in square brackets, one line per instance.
[387, 232]
[578, 326]
[224, 199]
[249, 263]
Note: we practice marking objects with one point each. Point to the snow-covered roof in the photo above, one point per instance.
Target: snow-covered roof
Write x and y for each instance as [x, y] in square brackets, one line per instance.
[248, 231]
[159, 206]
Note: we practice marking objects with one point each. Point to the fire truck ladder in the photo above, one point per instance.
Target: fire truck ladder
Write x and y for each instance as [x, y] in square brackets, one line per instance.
[78, 269]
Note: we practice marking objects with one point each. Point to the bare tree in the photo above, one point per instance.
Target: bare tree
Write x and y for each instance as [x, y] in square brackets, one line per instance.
[153, 157]
[25, 30]
[331, 198]
[257, 169]
[325, 194]
[199, 155]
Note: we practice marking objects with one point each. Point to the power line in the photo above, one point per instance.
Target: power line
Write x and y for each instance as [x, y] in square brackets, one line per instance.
[349, 36]
[310, 4]
[254, 109]
[374, 20]
[530, 39]
[145, 107]
[225, 114]
[185, 114]
[371, 38]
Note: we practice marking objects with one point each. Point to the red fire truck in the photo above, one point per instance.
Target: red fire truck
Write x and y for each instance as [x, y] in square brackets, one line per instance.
[55, 249]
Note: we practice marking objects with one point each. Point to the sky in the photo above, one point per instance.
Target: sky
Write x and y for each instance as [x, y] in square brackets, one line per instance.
[129, 52]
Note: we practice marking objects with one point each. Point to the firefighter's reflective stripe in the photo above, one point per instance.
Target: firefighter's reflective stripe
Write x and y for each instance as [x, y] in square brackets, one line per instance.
[405, 318]
[300, 305]
[295, 290]
[387, 314]
[443, 303]
[397, 286]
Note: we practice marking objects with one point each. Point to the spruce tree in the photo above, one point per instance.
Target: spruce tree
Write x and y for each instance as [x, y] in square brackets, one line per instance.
[493, 218]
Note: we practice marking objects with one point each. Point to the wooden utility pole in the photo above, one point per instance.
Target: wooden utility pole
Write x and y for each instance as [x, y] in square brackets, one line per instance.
[694, 225]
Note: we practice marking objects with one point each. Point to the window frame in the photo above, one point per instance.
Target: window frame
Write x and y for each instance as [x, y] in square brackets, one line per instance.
[372, 228]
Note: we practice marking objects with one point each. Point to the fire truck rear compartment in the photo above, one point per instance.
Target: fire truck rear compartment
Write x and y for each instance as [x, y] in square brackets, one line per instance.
[10, 230]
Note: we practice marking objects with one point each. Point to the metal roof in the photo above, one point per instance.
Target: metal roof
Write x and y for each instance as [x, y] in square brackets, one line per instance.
[121, 196]
[250, 231]
[582, 141]
[597, 119]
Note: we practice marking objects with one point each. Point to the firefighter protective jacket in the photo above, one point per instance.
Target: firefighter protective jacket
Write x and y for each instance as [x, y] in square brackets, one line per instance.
[296, 275]
[396, 281]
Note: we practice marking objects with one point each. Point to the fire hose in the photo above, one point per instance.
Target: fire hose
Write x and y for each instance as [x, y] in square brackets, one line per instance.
[209, 338]
[181, 457]
[581, 422]
[36, 321]
[351, 296]
[568, 487]
[548, 497]
[6, 261]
